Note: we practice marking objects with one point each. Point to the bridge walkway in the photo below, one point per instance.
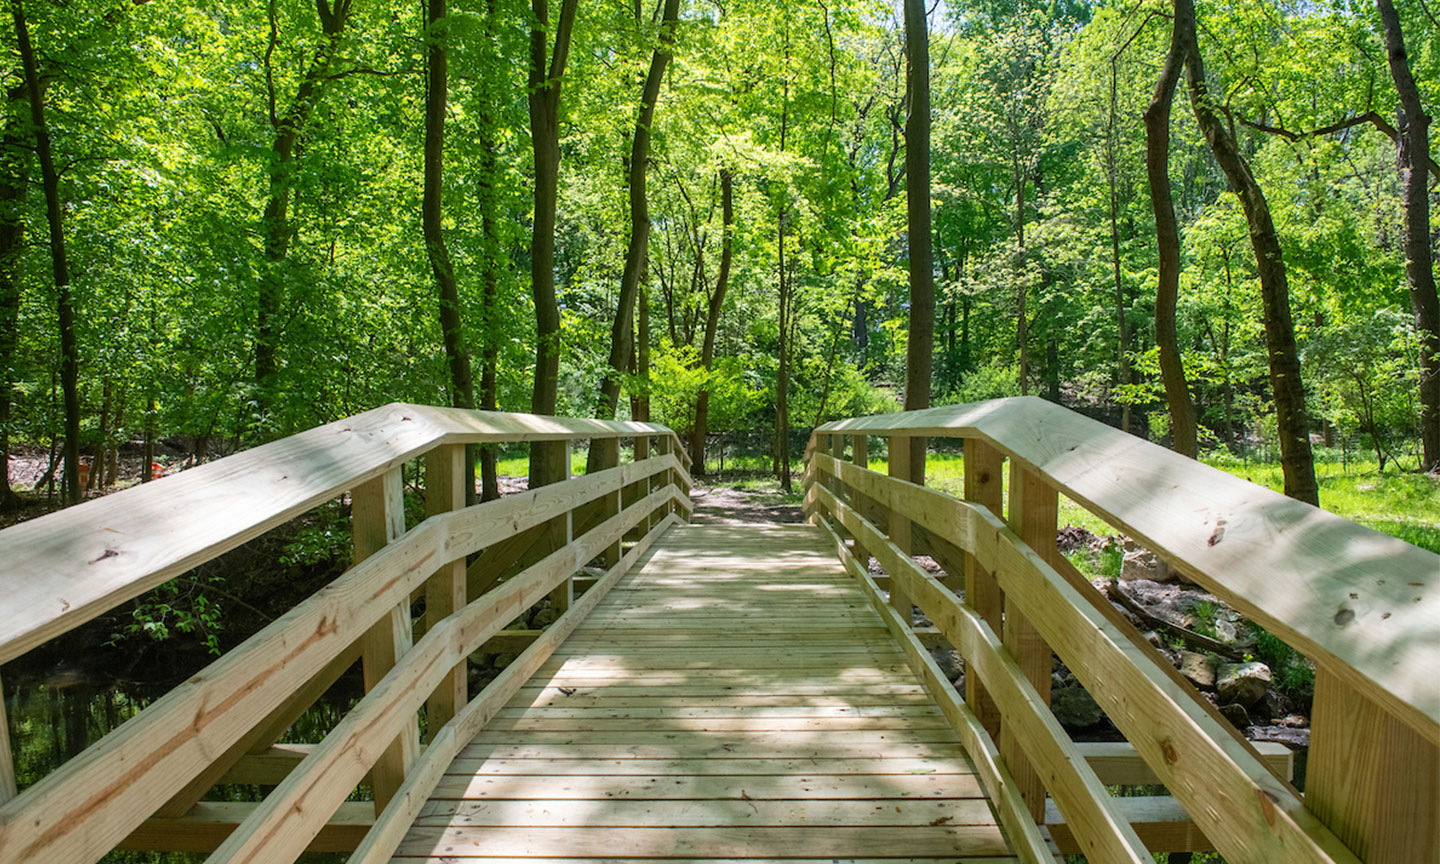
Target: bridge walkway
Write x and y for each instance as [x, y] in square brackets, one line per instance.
[736, 696]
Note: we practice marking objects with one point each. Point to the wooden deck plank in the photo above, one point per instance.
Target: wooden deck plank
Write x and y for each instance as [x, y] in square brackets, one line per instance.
[729, 700]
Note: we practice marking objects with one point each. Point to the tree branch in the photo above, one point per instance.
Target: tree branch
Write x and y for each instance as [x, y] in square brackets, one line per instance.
[1371, 117]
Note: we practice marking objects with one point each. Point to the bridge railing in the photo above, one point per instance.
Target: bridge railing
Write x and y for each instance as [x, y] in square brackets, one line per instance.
[1364, 607]
[478, 569]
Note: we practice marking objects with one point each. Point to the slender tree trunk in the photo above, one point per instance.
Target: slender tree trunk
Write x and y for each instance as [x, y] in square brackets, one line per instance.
[782, 379]
[622, 330]
[490, 257]
[546, 460]
[432, 215]
[1292, 423]
[13, 186]
[920, 344]
[1413, 125]
[640, 402]
[275, 223]
[1183, 429]
[712, 321]
[60, 266]
[1022, 324]
[1112, 155]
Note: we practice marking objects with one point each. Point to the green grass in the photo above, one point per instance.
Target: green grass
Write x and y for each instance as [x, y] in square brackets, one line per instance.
[1403, 505]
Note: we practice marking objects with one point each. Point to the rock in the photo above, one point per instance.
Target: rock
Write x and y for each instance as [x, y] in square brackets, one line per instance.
[1242, 683]
[1294, 721]
[1287, 735]
[503, 660]
[1074, 708]
[1144, 564]
[950, 663]
[1198, 669]
[1171, 604]
[1236, 714]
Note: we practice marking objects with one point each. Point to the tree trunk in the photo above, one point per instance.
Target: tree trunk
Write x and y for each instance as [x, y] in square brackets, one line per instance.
[13, 186]
[546, 459]
[432, 214]
[920, 344]
[622, 331]
[275, 223]
[1296, 460]
[1183, 430]
[1112, 156]
[712, 321]
[1414, 148]
[50, 180]
[490, 259]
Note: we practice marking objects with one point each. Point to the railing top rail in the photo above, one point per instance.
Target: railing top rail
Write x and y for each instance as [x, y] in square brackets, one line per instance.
[61, 569]
[1364, 604]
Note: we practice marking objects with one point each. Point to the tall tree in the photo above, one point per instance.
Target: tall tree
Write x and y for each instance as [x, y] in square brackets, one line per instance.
[637, 167]
[432, 214]
[59, 263]
[13, 186]
[1292, 422]
[546, 77]
[714, 307]
[921, 341]
[1414, 149]
[275, 223]
[490, 249]
[1183, 429]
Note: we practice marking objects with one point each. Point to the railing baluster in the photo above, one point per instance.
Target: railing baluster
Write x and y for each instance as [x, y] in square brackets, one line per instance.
[1034, 512]
[860, 455]
[562, 533]
[984, 486]
[610, 504]
[378, 517]
[899, 526]
[445, 482]
[1371, 778]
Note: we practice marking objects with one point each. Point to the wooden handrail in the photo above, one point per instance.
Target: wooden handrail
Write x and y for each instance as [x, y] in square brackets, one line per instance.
[141, 780]
[63, 569]
[1375, 715]
[1363, 603]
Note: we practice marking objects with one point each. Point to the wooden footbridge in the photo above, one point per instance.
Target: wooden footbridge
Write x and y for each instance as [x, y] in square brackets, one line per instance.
[734, 693]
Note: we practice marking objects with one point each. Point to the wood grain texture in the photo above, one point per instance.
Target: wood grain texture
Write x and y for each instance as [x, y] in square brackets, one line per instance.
[1354, 600]
[659, 729]
[65, 568]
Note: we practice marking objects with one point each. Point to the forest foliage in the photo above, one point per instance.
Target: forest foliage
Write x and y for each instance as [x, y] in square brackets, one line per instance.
[205, 311]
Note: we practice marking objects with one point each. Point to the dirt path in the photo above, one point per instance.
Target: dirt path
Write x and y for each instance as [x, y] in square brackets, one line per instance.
[724, 505]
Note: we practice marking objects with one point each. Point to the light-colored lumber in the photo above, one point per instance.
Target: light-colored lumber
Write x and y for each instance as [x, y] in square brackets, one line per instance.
[983, 487]
[987, 859]
[1371, 778]
[727, 764]
[691, 787]
[1005, 793]
[209, 823]
[445, 591]
[898, 524]
[1027, 717]
[716, 724]
[1160, 821]
[1246, 810]
[742, 842]
[1333, 590]
[725, 813]
[295, 810]
[64, 568]
[1117, 764]
[1034, 508]
[392, 824]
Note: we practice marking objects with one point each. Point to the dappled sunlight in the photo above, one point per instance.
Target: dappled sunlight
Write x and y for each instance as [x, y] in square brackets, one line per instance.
[738, 680]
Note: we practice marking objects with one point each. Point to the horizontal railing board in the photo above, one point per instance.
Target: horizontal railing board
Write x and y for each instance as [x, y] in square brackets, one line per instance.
[1362, 603]
[62, 569]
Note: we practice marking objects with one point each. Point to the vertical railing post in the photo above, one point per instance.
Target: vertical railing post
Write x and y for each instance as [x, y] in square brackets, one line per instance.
[899, 526]
[1034, 513]
[377, 515]
[860, 455]
[984, 485]
[445, 482]
[1371, 778]
[8, 789]
[837, 450]
[563, 532]
[610, 503]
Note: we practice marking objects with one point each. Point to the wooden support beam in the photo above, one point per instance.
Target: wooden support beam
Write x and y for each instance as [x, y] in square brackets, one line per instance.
[208, 823]
[1034, 511]
[378, 517]
[1371, 778]
[1160, 822]
[860, 456]
[1118, 763]
[984, 487]
[445, 591]
[562, 531]
[899, 526]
